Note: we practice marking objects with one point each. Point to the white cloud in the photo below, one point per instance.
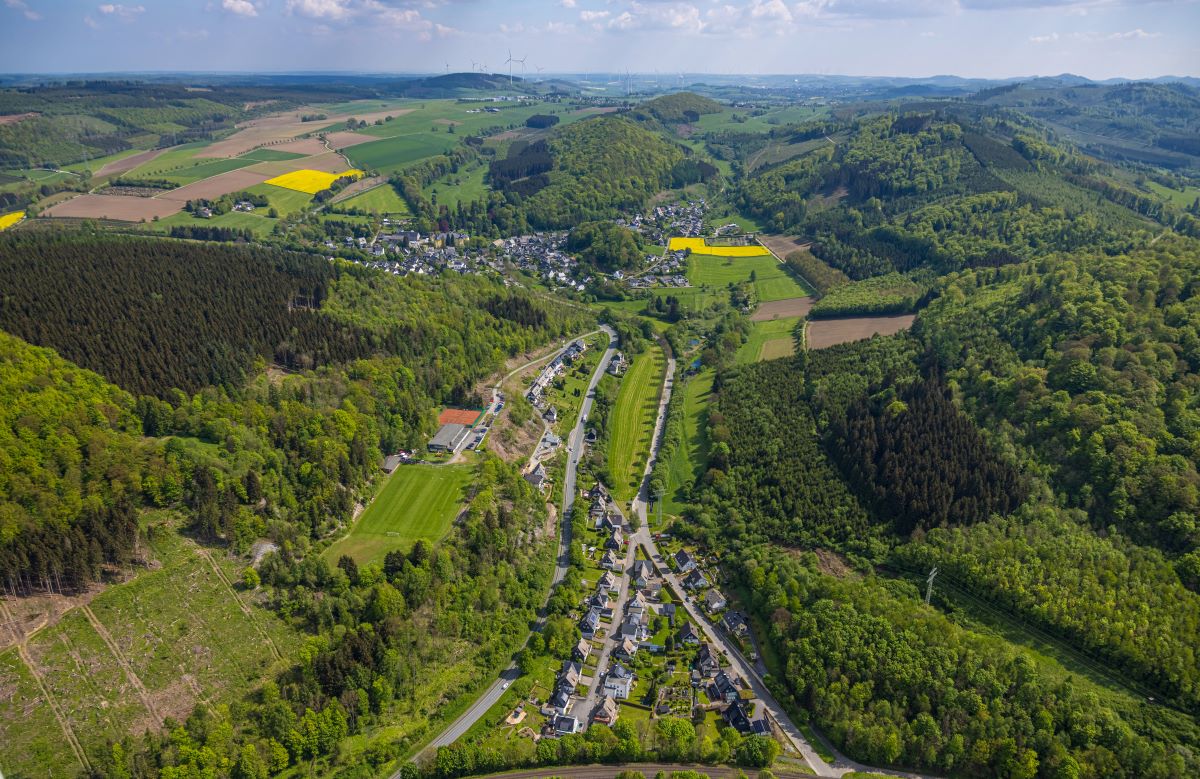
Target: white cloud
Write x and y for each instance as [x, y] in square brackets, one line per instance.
[773, 10]
[1137, 34]
[321, 9]
[122, 11]
[240, 7]
[593, 16]
[23, 7]
[1051, 38]
[1094, 37]
[567, 3]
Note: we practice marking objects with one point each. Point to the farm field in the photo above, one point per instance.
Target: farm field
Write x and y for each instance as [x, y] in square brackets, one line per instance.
[821, 333]
[119, 207]
[210, 188]
[1177, 198]
[782, 309]
[285, 201]
[382, 199]
[768, 340]
[206, 169]
[701, 246]
[8, 220]
[256, 222]
[271, 155]
[631, 422]
[416, 502]
[309, 181]
[772, 281]
[143, 650]
[689, 460]
[460, 187]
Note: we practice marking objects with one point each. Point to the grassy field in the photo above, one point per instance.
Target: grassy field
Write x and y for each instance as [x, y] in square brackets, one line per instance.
[772, 281]
[173, 161]
[631, 422]
[256, 222]
[460, 187]
[1180, 199]
[153, 647]
[382, 200]
[690, 459]
[768, 340]
[417, 501]
[388, 155]
[285, 201]
[203, 169]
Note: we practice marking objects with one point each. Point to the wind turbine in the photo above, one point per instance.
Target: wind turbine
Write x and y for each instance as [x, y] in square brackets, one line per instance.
[509, 62]
[474, 66]
[539, 70]
[447, 68]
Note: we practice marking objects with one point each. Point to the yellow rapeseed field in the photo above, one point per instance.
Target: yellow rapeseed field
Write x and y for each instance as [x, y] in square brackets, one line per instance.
[310, 181]
[700, 246]
[8, 220]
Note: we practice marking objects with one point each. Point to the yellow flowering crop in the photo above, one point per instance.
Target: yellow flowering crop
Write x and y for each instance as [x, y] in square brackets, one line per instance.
[310, 181]
[701, 246]
[8, 220]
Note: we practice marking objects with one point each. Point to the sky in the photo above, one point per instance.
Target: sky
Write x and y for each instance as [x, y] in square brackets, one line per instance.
[979, 38]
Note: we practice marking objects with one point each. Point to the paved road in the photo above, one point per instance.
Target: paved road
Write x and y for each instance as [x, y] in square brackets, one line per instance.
[492, 694]
[841, 765]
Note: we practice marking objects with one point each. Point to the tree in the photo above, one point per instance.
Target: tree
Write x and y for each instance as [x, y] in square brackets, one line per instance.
[250, 578]
[757, 751]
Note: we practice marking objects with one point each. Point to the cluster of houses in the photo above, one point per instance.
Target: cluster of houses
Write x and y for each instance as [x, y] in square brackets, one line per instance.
[685, 219]
[537, 391]
[542, 255]
[405, 252]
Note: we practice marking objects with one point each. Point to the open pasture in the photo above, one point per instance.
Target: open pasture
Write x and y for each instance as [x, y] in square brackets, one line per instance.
[772, 281]
[689, 459]
[127, 162]
[768, 340]
[830, 332]
[309, 181]
[416, 502]
[119, 207]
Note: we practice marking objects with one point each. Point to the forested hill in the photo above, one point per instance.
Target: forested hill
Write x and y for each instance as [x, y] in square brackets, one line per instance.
[178, 315]
[172, 319]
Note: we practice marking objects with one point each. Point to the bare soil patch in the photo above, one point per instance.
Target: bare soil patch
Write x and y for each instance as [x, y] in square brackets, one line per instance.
[830, 332]
[14, 118]
[344, 139]
[782, 309]
[214, 187]
[118, 167]
[782, 245]
[122, 208]
[300, 146]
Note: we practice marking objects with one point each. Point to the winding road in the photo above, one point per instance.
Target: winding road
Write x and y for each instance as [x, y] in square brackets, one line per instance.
[492, 694]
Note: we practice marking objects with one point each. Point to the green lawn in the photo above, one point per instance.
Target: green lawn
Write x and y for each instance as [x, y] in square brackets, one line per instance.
[1178, 198]
[381, 200]
[689, 460]
[461, 187]
[631, 422]
[417, 502]
[256, 222]
[772, 281]
[761, 345]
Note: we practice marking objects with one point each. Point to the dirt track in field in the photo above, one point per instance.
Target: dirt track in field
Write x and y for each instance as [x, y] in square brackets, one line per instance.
[782, 309]
[119, 207]
[214, 187]
[821, 333]
[117, 167]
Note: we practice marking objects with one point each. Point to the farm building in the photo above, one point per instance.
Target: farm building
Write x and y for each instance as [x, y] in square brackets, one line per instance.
[392, 462]
[449, 437]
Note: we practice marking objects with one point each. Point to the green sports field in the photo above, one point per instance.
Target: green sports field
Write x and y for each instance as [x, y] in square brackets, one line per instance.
[631, 422]
[771, 280]
[416, 502]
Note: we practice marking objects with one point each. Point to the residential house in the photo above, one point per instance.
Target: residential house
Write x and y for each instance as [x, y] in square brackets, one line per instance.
[668, 610]
[550, 415]
[684, 561]
[636, 606]
[751, 724]
[714, 601]
[607, 712]
[642, 573]
[571, 673]
[607, 582]
[626, 650]
[610, 561]
[600, 601]
[724, 687]
[590, 624]
[695, 581]
[634, 628]
[560, 699]
[616, 540]
[619, 682]
[582, 650]
[707, 661]
[688, 634]
[537, 477]
[734, 623]
[564, 725]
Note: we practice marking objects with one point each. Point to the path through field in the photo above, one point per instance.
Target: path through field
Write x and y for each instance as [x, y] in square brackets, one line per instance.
[51, 701]
[241, 605]
[122, 661]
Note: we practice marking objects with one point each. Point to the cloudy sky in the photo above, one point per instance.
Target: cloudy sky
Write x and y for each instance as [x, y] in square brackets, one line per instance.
[991, 38]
